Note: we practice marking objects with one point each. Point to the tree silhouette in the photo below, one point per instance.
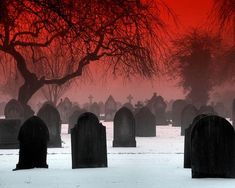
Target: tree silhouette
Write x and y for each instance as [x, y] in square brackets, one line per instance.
[124, 33]
[193, 59]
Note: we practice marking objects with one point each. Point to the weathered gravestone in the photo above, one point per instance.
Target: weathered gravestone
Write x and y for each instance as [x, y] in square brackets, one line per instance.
[88, 141]
[177, 108]
[124, 129]
[73, 119]
[50, 115]
[145, 123]
[33, 137]
[95, 109]
[65, 108]
[9, 129]
[157, 106]
[15, 110]
[187, 116]
[212, 148]
[187, 141]
[207, 110]
[110, 108]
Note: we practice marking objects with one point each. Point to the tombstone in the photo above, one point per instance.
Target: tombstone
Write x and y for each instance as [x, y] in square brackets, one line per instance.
[177, 108]
[110, 109]
[65, 109]
[212, 148]
[206, 110]
[14, 110]
[138, 106]
[88, 143]
[145, 123]
[187, 116]
[95, 109]
[9, 129]
[187, 141]
[74, 118]
[33, 147]
[129, 106]
[50, 115]
[124, 129]
[158, 106]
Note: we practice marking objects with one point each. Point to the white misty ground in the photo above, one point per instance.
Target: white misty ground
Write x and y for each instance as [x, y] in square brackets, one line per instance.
[155, 163]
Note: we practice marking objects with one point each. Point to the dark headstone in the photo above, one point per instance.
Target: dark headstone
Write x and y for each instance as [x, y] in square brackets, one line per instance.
[157, 106]
[187, 141]
[124, 129]
[110, 108]
[73, 119]
[33, 137]
[88, 141]
[187, 116]
[9, 129]
[177, 108]
[50, 115]
[212, 148]
[65, 109]
[145, 123]
[14, 110]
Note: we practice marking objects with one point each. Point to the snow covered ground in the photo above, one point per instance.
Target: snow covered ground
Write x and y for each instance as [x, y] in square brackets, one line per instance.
[155, 163]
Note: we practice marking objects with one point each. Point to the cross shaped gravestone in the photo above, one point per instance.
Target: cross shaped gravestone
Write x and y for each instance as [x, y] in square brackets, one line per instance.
[129, 98]
[90, 99]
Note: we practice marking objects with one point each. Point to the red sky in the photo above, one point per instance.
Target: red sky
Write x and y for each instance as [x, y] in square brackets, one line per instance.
[190, 14]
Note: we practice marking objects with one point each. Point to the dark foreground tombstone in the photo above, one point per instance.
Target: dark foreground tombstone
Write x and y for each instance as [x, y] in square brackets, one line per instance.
[124, 128]
[50, 115]
[88, 142]
[187, 141]
[73, 119]
[145, 123]
[9, 129]
[187, 116]
[212, 148]
[33, 138]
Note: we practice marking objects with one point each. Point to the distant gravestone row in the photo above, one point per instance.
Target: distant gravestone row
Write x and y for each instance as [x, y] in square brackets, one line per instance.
[209, 147]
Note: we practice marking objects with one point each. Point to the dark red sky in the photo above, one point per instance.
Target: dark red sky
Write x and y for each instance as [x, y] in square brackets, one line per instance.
[191, 13]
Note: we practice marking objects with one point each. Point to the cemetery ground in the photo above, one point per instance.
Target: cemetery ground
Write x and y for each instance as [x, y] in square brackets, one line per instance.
[156, 162]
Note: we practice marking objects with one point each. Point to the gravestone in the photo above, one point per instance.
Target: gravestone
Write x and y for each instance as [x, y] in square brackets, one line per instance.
[14, 110]
[33, 137]
[145, 123]
[187, 141]
[138, 106]
[110, 109]
[88, 143]
[95, 109]
[187, 116]
[212, 148]
[9, 129]
[157, 106]
[129, 106]
[124, 129]
[74, 118]
[206, 110]
[50, 115]
[65, 109]
[177, 108]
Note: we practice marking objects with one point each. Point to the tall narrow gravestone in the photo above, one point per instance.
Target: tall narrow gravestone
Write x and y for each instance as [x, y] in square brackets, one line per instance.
[212, 148]
[145, 123]
[187, 141]
[33, 137]
[50, 115]
[88, 141]
[187, 116]
[9, 129]
[124, 128]
[177, 108]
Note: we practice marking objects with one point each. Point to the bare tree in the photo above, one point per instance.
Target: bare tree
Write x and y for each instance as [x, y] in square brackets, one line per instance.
[193, 59]
[125, 33]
